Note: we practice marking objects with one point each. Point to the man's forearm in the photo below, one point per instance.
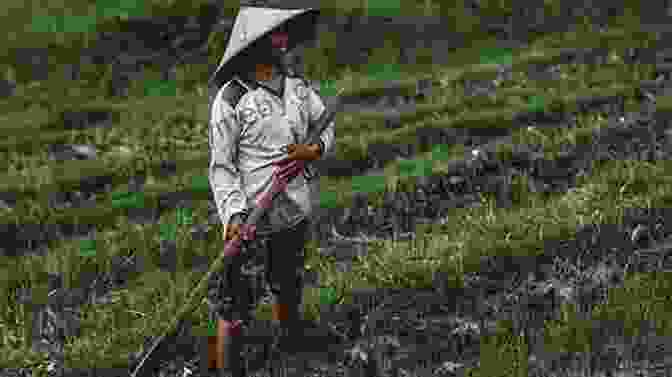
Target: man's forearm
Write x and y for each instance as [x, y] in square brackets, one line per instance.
[318, 148]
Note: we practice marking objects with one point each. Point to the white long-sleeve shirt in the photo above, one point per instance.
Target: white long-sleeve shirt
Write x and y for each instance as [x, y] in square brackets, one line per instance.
[247, 137]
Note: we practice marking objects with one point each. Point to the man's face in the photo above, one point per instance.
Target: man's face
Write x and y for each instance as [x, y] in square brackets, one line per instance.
[272, 52]
[277, 47]
[279, 40]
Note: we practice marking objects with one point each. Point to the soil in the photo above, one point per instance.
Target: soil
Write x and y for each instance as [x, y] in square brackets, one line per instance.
[396, 330]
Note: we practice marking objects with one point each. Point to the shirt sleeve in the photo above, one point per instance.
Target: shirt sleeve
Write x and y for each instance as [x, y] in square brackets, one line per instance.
[224, 175]
[316, 108]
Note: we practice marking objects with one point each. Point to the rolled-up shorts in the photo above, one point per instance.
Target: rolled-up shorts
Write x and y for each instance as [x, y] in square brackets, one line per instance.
[234, 293]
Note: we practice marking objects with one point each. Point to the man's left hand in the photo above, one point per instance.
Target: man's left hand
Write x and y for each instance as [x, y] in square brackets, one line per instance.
[301, 152]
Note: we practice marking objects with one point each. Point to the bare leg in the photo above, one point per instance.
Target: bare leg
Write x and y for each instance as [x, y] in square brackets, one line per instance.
[229, 346]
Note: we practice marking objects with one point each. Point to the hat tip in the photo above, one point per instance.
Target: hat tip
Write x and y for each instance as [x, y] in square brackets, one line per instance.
[293, 4]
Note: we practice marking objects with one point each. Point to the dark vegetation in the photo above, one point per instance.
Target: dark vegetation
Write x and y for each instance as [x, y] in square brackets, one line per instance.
[477, 219]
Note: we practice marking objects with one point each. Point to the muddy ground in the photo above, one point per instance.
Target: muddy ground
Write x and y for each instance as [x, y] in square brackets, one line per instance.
[448, 324]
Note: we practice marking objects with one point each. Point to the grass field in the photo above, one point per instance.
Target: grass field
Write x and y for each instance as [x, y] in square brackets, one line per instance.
[155, 128]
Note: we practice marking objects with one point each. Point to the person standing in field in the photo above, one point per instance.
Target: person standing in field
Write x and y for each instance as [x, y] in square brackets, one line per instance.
[260, 114]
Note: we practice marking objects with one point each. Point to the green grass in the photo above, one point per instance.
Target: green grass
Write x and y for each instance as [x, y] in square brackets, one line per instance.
[485, 230]
[183, 122]
[498, 118]
[346, 188]
[334, 191]
[488, 230]
[367, 185]
[80, 94]
[141, 116]
[24, 22]
[139, 309]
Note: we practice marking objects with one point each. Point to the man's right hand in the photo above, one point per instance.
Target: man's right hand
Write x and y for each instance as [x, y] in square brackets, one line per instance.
[232, 231]
[235, 224]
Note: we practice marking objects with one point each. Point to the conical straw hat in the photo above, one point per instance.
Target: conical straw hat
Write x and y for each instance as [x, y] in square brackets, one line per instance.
[251, 24]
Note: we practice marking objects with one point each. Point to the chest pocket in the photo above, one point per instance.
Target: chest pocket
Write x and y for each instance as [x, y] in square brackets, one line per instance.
[263, 125]
[264, 106]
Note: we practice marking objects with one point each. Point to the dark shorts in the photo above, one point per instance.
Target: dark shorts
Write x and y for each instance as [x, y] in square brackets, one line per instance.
[235, 294]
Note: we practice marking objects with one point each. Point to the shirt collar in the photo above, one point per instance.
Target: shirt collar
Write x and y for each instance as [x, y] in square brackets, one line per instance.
[275, 86]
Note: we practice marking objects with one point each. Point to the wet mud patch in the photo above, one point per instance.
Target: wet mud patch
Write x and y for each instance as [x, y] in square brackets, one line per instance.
[81, 120]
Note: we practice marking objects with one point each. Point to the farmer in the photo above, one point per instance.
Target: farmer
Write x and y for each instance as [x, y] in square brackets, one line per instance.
[260, 114]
